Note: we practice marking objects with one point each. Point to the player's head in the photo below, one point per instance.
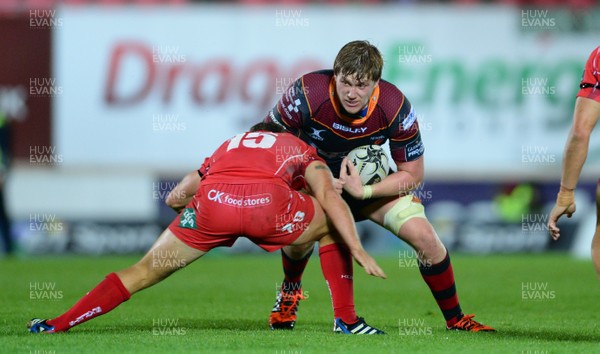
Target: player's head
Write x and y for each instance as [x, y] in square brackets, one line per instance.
[357, 69]
[360, 59]
[268, 127]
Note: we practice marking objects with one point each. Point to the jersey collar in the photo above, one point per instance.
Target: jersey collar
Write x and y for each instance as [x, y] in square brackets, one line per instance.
[353, 120]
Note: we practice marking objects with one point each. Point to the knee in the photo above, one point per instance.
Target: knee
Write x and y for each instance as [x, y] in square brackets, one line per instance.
[428, 242]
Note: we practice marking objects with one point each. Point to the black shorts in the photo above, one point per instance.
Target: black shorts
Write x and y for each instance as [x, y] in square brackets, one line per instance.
[357, 206]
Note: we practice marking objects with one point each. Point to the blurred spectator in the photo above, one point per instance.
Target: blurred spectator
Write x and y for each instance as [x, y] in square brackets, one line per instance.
[517, 200]
[4, 164]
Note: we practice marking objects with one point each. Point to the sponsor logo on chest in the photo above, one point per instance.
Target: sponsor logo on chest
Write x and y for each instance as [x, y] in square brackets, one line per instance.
[344, 128]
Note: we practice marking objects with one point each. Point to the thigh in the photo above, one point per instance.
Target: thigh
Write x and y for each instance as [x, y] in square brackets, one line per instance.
[395, 213]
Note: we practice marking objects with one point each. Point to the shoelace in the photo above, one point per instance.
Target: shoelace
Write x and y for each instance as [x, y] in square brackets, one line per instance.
[289, 302]
[468, 323]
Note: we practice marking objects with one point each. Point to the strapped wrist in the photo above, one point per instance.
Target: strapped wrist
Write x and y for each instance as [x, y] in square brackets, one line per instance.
[367, 192]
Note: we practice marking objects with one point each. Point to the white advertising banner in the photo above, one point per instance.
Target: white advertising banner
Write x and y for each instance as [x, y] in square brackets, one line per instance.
[160, 88]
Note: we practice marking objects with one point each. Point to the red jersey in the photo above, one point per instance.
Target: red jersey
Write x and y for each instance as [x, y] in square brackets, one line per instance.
[590, 81]
[246, 189]
[311, 110]
[260, 157]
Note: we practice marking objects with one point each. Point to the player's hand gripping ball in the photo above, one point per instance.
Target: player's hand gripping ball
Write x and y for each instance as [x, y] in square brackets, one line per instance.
[371, 162]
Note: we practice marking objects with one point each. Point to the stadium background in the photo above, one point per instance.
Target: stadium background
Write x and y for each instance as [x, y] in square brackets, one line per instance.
[110, 103]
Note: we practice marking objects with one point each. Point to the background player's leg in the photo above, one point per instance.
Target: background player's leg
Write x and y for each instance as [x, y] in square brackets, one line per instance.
[5, 223]
[596, 239]
[167, 255]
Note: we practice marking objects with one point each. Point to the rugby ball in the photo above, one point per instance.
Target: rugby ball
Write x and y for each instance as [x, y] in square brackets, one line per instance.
[371, 162]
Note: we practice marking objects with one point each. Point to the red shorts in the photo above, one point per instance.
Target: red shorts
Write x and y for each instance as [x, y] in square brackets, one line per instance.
[270, 215]
[591, 76]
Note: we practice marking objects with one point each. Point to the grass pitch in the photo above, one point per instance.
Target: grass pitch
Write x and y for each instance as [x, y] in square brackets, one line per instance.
[538, 303]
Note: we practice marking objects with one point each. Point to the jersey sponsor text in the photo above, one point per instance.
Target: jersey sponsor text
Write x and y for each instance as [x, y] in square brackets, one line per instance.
[239, 201]
[349, 129]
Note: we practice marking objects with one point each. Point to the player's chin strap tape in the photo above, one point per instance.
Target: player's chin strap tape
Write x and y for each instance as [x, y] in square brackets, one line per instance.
[406, 208]
[586, 85]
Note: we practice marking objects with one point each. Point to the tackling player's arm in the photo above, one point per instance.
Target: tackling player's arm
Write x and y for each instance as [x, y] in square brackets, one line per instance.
[320, 180]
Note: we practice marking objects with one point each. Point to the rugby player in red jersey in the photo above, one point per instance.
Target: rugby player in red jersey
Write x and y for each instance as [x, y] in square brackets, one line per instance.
[336, 111]
[249, 187]
[585, 116]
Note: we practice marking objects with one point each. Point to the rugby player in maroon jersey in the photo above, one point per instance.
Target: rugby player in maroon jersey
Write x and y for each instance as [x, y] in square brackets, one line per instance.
[336, 111]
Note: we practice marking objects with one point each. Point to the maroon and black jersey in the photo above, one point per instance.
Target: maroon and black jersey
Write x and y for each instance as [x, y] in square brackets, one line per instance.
[311, 110]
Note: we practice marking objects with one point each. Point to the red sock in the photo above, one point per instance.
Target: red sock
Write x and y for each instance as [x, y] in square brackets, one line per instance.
[440, 279]
[293, 270]
[107, 295]
[336, 264]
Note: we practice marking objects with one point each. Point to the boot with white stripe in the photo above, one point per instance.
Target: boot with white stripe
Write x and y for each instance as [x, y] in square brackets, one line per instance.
[359, 327]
